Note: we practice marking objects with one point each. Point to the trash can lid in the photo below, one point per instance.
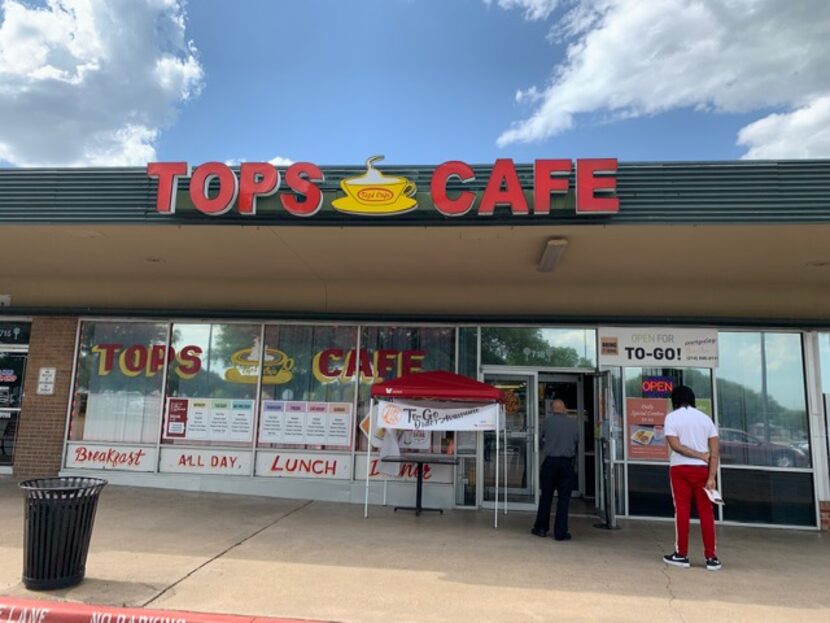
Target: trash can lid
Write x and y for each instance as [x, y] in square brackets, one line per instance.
[62, 483]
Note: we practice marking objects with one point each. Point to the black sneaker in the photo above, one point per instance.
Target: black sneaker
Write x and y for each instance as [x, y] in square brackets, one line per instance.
[713, 564]
[677, 560]
[538, 532]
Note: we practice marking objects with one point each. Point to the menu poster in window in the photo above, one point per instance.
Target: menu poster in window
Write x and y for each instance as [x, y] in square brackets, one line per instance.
[201, 419]
[272, 421]
[415, 440]
[220, 420]
[339, 424]
[295, 420]
[176, 418]
[198, 420]
[316, 423]
[242, 420]
[646, 437]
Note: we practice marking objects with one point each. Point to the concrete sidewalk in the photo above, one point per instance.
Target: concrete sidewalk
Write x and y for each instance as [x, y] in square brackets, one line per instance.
[317, 560]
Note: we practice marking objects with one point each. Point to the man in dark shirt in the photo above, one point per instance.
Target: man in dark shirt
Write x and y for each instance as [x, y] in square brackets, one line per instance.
[560, 439]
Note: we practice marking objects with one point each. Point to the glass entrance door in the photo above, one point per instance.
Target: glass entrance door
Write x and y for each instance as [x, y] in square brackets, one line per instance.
[12, 371]
[518, 447]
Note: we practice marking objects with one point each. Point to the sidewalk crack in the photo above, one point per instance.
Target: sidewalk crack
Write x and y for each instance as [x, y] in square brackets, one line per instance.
[223, 552]
[669, 586]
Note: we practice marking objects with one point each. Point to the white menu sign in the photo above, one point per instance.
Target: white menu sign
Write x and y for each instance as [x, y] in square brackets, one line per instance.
[312, 423]
[203, 419]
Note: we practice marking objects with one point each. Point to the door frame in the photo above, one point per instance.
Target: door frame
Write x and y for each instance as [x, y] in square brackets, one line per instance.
[578, 379]
[11, 412]
[532, 376]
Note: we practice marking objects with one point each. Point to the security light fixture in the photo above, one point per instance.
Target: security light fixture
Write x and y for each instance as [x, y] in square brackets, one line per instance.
[551, 254]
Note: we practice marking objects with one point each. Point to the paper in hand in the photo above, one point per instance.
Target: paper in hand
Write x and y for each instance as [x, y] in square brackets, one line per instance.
[714, 496]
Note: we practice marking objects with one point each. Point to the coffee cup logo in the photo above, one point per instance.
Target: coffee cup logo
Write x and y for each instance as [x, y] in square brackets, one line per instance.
[391, 415]
[277, 367]
[375, 193]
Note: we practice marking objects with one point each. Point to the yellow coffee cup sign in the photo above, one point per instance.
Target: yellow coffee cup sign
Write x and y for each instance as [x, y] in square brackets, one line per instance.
[376, 193]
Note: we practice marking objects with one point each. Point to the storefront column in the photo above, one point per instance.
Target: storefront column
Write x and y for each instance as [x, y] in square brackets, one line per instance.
[43, 416]
[818, 426]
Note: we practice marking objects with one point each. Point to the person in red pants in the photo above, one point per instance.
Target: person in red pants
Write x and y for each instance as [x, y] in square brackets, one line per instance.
[693, 439]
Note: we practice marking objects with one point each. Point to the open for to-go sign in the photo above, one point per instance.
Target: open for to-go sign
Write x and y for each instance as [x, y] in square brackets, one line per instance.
[375, 193]
[662, 347]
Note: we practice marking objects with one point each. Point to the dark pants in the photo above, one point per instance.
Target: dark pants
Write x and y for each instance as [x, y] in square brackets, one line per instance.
[556, 474]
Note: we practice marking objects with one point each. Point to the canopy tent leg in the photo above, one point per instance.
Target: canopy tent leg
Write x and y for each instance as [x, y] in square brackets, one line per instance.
[368, 459]
[505, 463]
[496, 505]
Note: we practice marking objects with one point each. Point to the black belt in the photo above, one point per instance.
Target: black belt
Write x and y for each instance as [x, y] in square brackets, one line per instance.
[569, 458]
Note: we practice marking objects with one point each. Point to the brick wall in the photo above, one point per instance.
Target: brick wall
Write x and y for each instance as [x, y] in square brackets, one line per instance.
[43, 418]
[825, 515]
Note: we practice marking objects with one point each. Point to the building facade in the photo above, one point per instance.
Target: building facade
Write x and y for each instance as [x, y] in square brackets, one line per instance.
[215, 328]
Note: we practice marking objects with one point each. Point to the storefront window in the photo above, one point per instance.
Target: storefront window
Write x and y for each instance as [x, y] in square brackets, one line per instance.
[390, 352]
[468, 351]
[648, 402]
[212, 384]
[761, 400]
[538, 347]
[308, 387]
[824, 354]
[118, 385]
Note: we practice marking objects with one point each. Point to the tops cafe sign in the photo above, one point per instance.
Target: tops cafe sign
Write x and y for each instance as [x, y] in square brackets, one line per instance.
[374, 193]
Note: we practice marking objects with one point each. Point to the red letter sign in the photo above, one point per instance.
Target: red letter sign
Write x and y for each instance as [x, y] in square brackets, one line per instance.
[461, 204]
[256, 179]
[544, 184]
[504, 173]
[228, 188]
[587, 184]
[168, 174]
[301, 178]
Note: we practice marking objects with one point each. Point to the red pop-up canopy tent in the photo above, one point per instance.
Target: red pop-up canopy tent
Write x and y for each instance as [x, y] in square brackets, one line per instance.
[437, 386]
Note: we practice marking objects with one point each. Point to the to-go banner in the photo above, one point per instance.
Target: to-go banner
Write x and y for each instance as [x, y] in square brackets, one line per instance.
[425, 415]
[663, 347]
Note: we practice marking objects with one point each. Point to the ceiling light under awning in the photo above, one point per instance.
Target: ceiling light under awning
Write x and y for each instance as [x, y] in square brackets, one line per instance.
[551, 254]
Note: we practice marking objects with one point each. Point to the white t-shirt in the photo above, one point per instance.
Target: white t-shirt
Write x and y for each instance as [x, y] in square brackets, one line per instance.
[693, 429]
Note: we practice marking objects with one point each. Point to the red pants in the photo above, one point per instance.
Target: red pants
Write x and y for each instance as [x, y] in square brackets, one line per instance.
[688, 482]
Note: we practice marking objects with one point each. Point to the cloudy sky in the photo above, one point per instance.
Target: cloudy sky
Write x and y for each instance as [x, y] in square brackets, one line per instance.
[102, 83]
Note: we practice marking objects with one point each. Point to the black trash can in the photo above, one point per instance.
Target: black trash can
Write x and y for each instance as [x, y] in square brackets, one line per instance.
[58, 526]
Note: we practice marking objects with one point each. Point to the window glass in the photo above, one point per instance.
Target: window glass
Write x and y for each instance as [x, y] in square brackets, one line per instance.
[12, 372]
[533, 346]
[648, 401]
[211, 384]
[308, 387]
[14, 334]
[118, 384]
[390, 352]
[824, 354]
[761, 400]
[467, 351]
[466, 441]
[771, 497]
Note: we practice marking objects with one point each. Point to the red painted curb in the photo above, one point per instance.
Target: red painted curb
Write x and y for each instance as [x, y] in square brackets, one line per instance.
[31, 611]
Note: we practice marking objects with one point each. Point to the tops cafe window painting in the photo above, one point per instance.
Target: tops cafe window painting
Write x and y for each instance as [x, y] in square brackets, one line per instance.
[221, 380]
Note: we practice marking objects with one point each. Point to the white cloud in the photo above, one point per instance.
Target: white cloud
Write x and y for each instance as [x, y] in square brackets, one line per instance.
[279, 161]
[629, 58]
[534, 9]
[91, 82]
[804, 133]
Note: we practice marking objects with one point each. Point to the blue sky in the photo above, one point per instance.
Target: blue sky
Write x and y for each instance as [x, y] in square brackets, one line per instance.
[109, 82]
[420, 81]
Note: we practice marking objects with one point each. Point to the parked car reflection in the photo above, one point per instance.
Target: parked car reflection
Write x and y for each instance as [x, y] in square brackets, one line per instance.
[740, 448]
